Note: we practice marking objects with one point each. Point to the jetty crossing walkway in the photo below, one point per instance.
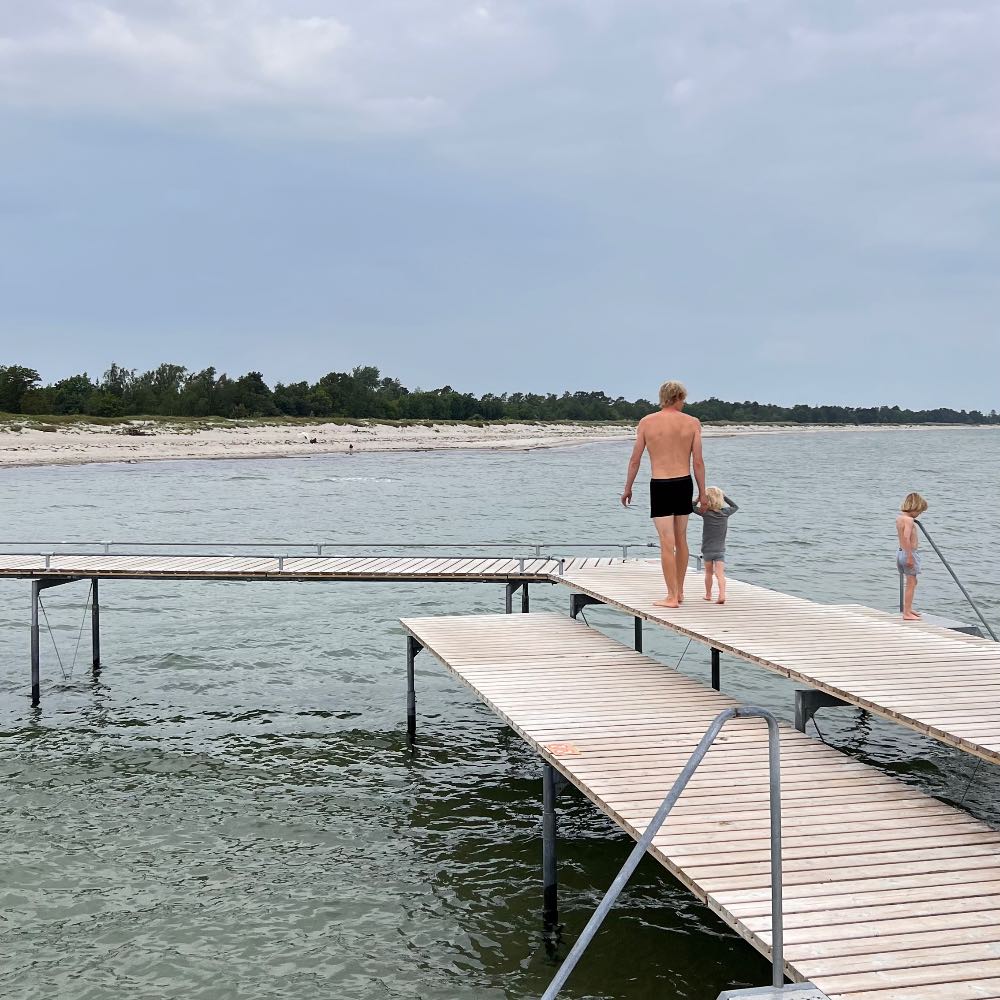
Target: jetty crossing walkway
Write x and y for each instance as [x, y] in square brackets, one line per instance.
[934, 680]
[888, 893]
[939, 682]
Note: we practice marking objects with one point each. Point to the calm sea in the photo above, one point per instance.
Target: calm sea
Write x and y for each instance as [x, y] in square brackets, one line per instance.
[231, 811]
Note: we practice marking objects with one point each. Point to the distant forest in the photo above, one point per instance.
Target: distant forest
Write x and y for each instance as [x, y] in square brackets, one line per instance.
[364, 393]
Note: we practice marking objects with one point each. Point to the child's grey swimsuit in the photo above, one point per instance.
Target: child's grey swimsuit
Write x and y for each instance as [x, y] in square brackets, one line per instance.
[715, 523]
[913, 570]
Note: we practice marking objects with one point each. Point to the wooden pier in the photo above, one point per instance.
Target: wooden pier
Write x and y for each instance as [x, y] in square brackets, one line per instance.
[889, 894]
[936, 681]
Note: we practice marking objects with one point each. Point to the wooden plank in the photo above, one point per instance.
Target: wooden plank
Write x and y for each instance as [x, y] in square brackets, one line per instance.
[889, 870]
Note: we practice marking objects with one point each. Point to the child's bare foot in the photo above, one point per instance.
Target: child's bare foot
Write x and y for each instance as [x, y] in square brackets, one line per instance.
[667, 602]
[707, 597]
[911, 616]
[721, 600]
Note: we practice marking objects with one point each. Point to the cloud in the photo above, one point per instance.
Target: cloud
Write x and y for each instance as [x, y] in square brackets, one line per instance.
[437, 59]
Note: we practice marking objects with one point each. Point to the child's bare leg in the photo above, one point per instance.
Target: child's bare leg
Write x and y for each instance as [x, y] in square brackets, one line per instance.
[720, 578]
[908, 613]
[709, 576]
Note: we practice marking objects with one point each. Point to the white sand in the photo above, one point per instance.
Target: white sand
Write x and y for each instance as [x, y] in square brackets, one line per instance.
[73, 444]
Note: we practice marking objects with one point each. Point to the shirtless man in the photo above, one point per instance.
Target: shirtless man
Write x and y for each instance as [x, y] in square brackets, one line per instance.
[673, 441]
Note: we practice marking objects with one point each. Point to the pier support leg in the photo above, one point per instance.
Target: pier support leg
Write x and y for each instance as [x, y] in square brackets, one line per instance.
[638, 634]
[95, 625]
[524, 598]
[509, 598]
[716, 671]
[577, 602]
[808, 702]
[36, 589]
[550, 880]
[412, 648]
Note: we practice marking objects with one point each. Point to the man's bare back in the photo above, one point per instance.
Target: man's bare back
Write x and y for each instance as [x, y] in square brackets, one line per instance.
[669, 436]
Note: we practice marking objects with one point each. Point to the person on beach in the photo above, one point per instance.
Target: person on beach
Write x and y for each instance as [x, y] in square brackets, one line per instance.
[673, 440]
[907, 556]
[714, 526]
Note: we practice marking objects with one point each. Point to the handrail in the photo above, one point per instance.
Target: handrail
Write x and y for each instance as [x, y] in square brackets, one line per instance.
[318, 547]
[954, 576]
[642, 845]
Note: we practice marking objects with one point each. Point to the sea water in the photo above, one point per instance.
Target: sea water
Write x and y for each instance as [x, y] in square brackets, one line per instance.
[230, 809]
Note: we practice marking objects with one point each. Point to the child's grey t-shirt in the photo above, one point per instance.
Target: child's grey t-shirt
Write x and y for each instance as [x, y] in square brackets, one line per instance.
[714, 528]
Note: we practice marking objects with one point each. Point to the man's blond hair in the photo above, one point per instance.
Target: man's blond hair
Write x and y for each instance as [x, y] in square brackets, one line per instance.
[715, 497]
[914, 504]
[672, 392]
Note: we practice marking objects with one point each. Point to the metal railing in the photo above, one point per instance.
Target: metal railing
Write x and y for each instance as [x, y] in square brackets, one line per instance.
[954, 576]
[537, 549]
[642, 845]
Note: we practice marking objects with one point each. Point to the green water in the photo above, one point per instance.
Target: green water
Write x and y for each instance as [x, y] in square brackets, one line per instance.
[230, 809]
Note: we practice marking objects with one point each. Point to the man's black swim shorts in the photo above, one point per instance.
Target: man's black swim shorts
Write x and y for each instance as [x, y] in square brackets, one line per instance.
[670, 497]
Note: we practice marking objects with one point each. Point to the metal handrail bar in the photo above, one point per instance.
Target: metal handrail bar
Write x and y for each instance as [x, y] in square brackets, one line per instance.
[537, 547]
[642, 845]
[954, 576]
[350, 545]
[545, 557]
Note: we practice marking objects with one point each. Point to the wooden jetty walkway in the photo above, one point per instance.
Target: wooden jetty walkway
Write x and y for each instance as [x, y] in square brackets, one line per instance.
[136, 566]
[934, 680]
[889, 894]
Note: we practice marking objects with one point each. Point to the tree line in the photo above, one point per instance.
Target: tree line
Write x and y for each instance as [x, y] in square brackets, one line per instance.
[364, 393]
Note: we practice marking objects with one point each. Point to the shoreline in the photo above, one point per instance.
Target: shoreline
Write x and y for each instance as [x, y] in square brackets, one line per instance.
[144, 441]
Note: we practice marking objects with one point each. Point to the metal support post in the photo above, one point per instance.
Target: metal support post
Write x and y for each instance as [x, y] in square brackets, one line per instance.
[509, 598]
[550, 880]
[577, 602]
[412, 648]
[524, 598]
[808, 702]
[716, 671]
[95, 624]
[638, 634]
[901, 585]
[36, 590]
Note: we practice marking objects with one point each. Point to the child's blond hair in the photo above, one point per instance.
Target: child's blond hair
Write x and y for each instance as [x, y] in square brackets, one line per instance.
[914, 504]
[715, 498]
[672, 392]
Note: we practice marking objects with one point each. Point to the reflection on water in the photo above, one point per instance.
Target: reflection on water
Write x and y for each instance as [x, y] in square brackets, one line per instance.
[230, 809]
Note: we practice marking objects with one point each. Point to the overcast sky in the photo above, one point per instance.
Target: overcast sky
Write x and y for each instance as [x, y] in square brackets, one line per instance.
[787, 201]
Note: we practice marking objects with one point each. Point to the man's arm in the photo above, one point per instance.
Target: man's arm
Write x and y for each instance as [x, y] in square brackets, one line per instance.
[699, 464]
[633, 464]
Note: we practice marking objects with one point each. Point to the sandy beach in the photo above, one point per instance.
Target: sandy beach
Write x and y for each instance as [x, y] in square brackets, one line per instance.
[141, 441]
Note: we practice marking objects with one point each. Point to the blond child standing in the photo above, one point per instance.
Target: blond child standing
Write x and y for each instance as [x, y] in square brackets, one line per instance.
[714, 527]
[907, 556]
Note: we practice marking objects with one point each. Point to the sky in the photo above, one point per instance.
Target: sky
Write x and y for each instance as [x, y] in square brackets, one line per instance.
[785, 201]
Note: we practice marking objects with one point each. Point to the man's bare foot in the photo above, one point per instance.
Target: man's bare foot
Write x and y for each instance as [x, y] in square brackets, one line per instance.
[667, 602]
[707, 597]
[911, 616]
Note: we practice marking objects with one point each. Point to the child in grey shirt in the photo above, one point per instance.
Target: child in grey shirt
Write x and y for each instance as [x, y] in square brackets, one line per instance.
[715, 522]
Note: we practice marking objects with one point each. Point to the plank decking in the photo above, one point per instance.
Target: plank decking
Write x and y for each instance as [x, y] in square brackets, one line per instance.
[941, 683]
[256, 567]
[938, 682]
[889, 894]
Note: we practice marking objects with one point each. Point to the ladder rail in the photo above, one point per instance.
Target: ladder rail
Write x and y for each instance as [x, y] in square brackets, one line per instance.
[642, 845]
